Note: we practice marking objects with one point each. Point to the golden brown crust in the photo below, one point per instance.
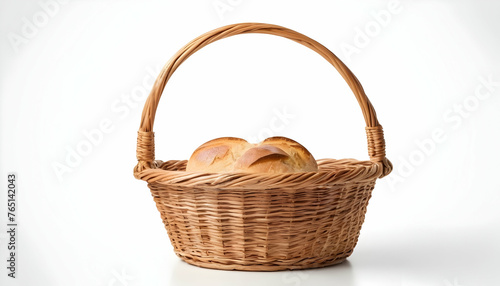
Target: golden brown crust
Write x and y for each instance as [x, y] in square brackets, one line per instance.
[273, 155]
[216, 155]
[304, 159]
[254, 155]
[222, 140]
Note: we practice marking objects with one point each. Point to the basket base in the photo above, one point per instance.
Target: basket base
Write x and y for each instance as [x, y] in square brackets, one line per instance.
[257, 267]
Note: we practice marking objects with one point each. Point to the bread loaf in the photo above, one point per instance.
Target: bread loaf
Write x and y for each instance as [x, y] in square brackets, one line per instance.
[273, 155]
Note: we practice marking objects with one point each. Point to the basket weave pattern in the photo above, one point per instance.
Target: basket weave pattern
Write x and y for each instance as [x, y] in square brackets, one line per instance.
[262, 222]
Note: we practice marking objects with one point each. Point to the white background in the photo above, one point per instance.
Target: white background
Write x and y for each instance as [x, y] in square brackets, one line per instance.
[67, 67]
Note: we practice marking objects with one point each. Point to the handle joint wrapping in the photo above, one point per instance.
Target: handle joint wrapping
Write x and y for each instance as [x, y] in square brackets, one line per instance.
[145, 151]
[376, 148]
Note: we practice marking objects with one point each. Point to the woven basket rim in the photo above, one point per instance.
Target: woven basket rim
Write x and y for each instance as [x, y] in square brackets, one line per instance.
[331, 171]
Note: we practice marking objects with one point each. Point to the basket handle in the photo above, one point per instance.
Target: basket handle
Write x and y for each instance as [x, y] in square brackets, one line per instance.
[145, 139]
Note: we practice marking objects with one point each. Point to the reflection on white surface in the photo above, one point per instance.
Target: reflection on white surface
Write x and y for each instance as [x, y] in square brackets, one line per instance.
[423, 256]
[185, 274]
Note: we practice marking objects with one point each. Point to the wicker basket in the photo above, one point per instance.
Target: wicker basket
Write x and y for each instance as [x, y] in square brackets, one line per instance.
[262, 222]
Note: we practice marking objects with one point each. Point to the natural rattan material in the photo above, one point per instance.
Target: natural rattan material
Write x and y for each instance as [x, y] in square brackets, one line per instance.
[262, 222]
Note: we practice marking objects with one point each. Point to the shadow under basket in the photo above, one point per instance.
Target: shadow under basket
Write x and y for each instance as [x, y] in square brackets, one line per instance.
[262, 222]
